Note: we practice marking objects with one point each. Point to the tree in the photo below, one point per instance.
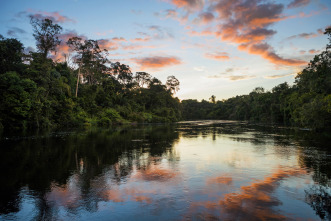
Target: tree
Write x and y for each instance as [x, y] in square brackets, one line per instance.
[142, 78]
[89, 58]
[46, 34]
[172, 84]
[10, 55]
[213, 99]
[328, 32]
[123, 73]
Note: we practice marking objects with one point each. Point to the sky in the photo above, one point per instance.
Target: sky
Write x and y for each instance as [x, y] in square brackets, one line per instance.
[213, 47]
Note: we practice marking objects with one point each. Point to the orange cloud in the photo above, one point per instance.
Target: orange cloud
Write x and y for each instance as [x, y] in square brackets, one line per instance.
[218, 56]
[313, 51]
[278, 76]
[127, 194]
[240, 77]
[220, 180]
[156, 62]
[247, 23]
[63, 49]
[188, 4]
[156, 174]
[253, 202]
[119, 39]
[140, 39]
[108, 44]
[202, 33]
[266, 52]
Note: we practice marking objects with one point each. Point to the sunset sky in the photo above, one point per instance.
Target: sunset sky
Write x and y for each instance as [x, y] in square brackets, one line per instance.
[214, 47]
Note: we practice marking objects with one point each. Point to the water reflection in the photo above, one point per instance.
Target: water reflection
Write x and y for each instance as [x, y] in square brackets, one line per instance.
[194, 170]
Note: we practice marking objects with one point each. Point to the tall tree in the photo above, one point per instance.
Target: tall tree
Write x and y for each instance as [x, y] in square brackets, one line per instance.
[46, 34]
[89, 57]
[172, 84]
[142, 78]
[213, 99]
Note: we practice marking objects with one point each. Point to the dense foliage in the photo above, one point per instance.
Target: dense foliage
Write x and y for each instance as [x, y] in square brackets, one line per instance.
[305, 104]
[37, 92]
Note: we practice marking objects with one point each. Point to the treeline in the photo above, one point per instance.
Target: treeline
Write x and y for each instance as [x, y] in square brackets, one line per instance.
[37, 92]
[307, 103]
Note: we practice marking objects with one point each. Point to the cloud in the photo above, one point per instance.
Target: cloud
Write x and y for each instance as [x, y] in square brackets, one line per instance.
[160, 32]
[220, 180]
[232, 77]
[256, 201]
[205, 18]
[240, 77]
[278, 76]
[218, 56]
[144, 39]
[14, 31]
[156, 62]
[156, 174]
[298, 3]
[54, 16]
[266, 52]
[190, 5]
[307, 35]
[201, 33]
[172, 14]
[136, 47]
[313, 51]
[63, 49]
[119, 39]
[103, 33]
[247, 23]
[214, 76]
[108, 44]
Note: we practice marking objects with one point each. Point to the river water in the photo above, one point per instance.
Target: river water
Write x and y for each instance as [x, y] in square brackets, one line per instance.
[208, 170]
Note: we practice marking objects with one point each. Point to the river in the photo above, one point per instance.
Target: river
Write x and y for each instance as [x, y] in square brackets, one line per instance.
[199, 170]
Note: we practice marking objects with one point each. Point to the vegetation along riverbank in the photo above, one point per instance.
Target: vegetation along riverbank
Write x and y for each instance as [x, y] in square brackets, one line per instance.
[40, 92]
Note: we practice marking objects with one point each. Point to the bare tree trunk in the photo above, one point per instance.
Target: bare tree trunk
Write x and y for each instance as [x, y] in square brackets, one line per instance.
[77, 80]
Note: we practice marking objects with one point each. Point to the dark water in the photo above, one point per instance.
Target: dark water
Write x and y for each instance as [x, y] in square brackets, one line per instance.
[190, 171]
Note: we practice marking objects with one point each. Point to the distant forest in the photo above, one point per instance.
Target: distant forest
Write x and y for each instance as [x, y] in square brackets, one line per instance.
[307, 103]
[38, 92]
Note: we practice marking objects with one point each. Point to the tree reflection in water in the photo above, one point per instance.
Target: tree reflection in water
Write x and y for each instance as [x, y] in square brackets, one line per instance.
[63, 174]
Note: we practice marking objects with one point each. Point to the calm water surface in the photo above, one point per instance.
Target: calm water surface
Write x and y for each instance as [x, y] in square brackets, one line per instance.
[207, 170]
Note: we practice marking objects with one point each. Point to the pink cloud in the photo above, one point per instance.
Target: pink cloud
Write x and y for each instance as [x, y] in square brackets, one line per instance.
[188, 4]
[218, 56]
[313, 51]
[298, 3]
[63, 49]
[144, 39]
[247, 23]
[266, 52]
[54, 16]
[156, 62]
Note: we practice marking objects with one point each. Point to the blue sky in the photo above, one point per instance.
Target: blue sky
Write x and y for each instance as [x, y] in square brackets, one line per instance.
[214, 47]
